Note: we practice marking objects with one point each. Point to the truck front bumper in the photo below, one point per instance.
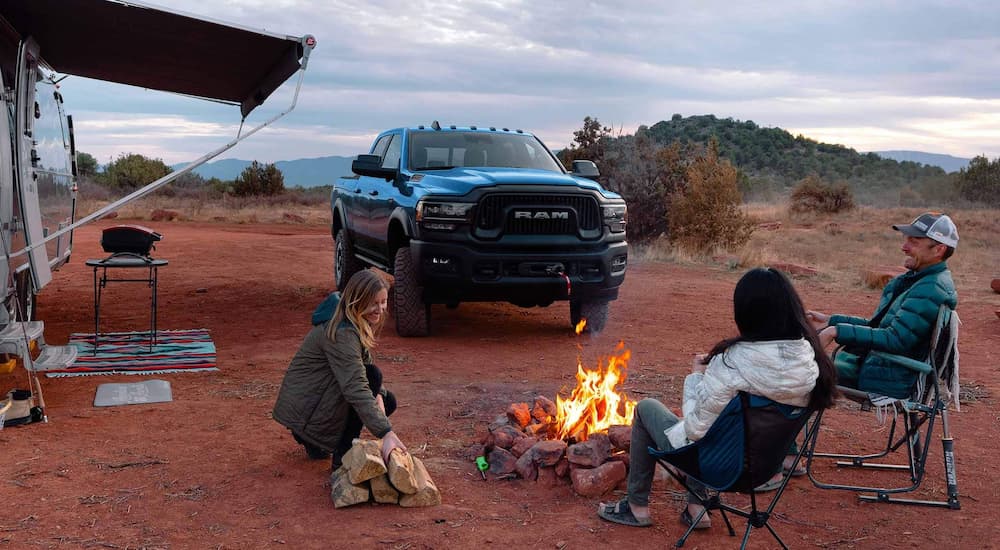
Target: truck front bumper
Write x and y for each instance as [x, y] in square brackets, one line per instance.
[452, 273]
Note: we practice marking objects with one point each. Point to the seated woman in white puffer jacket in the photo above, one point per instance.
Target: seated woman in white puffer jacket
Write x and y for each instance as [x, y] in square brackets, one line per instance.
[776, 355]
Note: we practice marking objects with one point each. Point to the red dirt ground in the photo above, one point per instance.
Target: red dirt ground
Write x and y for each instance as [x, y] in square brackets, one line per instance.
[212, 470]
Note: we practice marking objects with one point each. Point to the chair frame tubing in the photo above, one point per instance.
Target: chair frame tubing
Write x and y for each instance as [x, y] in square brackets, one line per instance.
[916, 454]
[755, 518]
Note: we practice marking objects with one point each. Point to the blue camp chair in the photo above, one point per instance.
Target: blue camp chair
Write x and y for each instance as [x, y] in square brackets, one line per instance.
[935, 387]
[744, 448]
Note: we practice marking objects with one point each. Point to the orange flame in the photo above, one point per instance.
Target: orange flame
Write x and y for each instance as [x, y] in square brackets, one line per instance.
[593, 406]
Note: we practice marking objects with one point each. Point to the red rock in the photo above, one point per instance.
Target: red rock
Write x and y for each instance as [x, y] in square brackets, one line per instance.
[621, 457]
[879, 276]
[548, 452]
[543, 409]
[519, 413]
[160, 215]
[505, 436]
[995, 285]
[502, 461]
[538, 428]
[548, 477]
[562, 467]
[526, 467]
[620, 436]
[293, 218]
[795, 269]
[594, 482]
[522, 445]
[592, 452]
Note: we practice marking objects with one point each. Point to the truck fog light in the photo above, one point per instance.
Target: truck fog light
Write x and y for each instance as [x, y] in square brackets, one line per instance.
[439, 226]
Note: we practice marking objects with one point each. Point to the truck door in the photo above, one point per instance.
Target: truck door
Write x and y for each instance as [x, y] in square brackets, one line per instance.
[26, 161]
[381, 202]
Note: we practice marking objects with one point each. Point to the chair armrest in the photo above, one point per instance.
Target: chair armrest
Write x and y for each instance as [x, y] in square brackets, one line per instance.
[912, 364]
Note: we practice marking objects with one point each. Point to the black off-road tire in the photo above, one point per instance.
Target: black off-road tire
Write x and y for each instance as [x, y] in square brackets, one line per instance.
[594, 311]
[413, 316]
[345, 263]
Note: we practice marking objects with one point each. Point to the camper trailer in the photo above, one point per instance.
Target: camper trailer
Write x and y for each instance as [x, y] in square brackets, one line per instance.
[125, 42]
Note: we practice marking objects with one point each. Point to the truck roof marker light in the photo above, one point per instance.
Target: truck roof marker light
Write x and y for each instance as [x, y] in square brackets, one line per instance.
[473, 128]
[421, 127]
[505, 130]
[452, 127]
[436, 125]
[493, 128]
[519, 131]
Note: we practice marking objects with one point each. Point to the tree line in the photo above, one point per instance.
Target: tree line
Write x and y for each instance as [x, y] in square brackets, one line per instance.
[131, 171]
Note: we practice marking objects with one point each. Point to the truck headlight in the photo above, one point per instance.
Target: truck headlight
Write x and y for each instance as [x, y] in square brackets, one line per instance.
[616, 217]
[443, 215]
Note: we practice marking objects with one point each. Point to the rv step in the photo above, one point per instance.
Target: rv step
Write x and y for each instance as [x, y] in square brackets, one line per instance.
[17, 332]
[54, 358]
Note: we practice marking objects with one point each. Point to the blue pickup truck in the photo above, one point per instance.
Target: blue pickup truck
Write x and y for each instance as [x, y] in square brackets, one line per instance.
[464, 214]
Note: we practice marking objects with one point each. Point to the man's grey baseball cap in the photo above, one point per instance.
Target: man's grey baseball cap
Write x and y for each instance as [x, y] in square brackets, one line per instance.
[934, 226]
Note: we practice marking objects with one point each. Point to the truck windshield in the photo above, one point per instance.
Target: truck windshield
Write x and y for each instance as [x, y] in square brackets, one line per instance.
[437, 150]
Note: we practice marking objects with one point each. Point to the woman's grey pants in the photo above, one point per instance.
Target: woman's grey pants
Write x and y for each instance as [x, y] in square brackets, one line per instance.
[649, 426]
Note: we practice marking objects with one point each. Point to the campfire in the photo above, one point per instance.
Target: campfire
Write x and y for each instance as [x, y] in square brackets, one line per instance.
[583, 438]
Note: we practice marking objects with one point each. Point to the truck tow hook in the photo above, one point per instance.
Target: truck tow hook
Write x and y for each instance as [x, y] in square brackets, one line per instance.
[558, 271]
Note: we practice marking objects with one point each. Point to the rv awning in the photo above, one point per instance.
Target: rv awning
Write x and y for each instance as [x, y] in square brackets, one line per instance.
[131, 43]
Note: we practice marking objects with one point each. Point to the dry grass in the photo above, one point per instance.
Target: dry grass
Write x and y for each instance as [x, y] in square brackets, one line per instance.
[226, 210]
[843, 246]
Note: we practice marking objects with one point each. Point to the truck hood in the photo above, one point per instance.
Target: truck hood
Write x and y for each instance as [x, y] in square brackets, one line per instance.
[459, 181]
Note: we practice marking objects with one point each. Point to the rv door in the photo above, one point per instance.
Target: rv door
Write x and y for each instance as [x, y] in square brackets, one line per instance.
[26, 159]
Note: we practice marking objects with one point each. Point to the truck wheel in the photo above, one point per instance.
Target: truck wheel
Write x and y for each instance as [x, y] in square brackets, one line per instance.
[413, 316]
[594, 311]
[345, 263]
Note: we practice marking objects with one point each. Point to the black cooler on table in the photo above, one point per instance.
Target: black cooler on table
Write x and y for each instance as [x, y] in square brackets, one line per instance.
[130, 239]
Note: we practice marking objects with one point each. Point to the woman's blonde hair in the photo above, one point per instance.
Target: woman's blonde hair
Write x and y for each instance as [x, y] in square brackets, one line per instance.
[358, 295]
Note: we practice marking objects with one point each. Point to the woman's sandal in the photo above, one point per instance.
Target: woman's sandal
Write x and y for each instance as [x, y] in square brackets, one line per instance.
[620, 512]
[799, 471]
[704, 523]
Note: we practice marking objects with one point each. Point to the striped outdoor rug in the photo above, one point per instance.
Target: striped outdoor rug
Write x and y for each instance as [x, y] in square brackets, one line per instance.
[129, 353]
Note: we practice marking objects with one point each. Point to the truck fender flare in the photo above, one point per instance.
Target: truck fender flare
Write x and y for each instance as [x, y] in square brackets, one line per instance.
[337, 211]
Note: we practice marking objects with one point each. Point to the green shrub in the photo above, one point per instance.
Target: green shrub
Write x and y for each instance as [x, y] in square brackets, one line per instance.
[812, 195]
[706, 213]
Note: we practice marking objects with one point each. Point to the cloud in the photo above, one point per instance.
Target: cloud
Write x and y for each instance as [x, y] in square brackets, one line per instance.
[900, 75]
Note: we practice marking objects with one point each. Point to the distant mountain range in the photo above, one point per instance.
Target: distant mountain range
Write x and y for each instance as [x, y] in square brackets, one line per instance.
[946, 162]
[324, 170]
[298, 173]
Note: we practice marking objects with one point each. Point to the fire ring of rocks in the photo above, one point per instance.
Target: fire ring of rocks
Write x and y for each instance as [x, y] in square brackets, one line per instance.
[583, 439]
[517, 447]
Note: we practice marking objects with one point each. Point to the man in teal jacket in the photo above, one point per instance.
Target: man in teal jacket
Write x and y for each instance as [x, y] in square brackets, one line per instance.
[905, 316]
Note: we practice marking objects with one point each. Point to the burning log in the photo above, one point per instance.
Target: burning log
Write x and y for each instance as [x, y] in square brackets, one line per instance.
[591, 453]
[593, 482]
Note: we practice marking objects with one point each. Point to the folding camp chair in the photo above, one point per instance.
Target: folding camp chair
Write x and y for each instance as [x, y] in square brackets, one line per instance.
[744, 448]
[936, 386]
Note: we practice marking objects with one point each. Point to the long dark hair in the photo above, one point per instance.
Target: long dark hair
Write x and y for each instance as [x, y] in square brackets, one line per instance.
[766, 307]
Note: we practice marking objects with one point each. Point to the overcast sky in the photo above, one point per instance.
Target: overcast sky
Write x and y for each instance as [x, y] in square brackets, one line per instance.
[902, 74]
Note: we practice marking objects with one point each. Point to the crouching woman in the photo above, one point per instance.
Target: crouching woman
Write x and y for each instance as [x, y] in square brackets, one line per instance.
[332, 388]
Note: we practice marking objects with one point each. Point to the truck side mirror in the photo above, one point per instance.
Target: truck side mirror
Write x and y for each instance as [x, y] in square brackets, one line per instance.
[371, 165]
[585, 169]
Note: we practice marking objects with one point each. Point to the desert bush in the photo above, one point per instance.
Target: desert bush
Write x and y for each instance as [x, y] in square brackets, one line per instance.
[910, 197]
[646, 176]
[980, 182]
[131, 171]
[812, 195]
[259, 180]
[706, 213]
